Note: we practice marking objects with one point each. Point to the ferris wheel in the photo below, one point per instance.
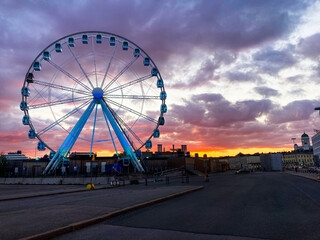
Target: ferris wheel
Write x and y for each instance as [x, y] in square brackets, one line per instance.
[96, 88]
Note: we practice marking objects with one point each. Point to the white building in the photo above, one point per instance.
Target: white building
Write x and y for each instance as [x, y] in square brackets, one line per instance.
[15, 156]
[305, 143]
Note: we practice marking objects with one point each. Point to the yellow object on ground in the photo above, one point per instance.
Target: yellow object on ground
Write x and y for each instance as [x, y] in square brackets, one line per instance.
[90, 186]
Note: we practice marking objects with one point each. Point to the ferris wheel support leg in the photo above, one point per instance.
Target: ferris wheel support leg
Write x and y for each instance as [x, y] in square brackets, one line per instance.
[114, 145]
[68, 143]
[124, 143]
[94, 126]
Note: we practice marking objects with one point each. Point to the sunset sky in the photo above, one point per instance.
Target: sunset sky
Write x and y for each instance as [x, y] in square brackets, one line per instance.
[241, 76]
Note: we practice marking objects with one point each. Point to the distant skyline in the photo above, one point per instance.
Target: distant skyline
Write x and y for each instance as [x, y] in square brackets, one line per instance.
[241, 76]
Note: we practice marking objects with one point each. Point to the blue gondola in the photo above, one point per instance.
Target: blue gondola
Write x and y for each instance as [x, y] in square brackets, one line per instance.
[71, 42]
[85, 39]
[30, 77]
[24, 106]
[154, 71]
[25, 120]
[156, 133]
[99, 38]
[136, 52]
[25, 91]
[46, 55]
[31, 134]
[51, 155]
[37, 66]
[112, 41]
[163, 95]
[125, 46]
[148, 144]
[41, 146]
[163, 108]
[146, 61]
[161, 121]
[160, 83]
[58, 47]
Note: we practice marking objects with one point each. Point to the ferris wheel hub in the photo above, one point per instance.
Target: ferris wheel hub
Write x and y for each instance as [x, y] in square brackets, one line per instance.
[97, 93]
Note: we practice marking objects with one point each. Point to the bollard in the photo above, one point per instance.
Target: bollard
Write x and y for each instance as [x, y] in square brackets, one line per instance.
[167, 180]
[146, 181]
[187, 179]
[182, 181]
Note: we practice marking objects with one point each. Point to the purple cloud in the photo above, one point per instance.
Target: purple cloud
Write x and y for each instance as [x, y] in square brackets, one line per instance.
[206, 73]
[213, 110]
[272, 61]
[310, 46]
[266, 92]
[294, 111]
[237, 76]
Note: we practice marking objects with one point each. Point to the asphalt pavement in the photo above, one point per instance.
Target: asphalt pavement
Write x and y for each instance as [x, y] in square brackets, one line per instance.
[26, 217]
[258, 205]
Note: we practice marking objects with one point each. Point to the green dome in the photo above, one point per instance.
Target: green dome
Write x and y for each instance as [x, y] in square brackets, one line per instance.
[304, 135]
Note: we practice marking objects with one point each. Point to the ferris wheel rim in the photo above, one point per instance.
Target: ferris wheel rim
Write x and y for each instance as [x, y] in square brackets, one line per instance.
[31, 70]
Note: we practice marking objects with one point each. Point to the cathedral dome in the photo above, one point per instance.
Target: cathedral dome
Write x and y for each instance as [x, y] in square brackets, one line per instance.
[304, 135]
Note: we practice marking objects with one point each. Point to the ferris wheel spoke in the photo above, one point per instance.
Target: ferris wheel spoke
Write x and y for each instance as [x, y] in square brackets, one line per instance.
[94, 127]
[94, 61]
[109, 64]
[120, 73]
[63, 118]
[120, 126]
[69, 75]
[132, 111]
[127, 127]
[85, 74]
[56, 86]
[132, 96]
[58, 102]
[141, 79]
[39, 94]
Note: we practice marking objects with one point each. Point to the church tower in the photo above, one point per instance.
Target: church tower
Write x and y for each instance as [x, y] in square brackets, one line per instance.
[305, 140]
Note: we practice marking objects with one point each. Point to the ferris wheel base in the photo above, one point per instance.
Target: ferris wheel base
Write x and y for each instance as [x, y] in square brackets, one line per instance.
[67, 145]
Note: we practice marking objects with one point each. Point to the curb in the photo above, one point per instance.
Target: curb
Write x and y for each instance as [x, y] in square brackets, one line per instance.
[49, 194]
[85, 223]
[310, 178]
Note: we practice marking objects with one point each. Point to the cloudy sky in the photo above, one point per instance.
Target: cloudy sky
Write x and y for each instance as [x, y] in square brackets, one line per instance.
[240, 75]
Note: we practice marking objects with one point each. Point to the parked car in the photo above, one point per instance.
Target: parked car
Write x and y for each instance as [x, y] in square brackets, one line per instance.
[243, 170]
[314, 169]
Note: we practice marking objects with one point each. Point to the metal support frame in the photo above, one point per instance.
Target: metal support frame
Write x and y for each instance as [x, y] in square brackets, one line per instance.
[123, 141]
[67, 145]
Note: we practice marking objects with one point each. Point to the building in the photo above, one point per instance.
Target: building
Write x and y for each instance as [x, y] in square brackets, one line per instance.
[271, 162]
[248, 161]
[159, 148]
[15, 161]
[33, 167]
[184, 149]
[218, 165]
[305, 143]
[316, 145]
[82, 163]
[297, 159]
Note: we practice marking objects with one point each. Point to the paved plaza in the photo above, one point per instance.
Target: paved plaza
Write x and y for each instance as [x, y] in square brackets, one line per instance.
[258, 205]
